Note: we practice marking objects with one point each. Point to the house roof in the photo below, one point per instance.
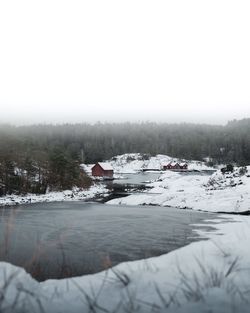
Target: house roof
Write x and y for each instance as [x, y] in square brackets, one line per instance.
[106, 166]
[183, 163]
[168, 164]
[174, 163]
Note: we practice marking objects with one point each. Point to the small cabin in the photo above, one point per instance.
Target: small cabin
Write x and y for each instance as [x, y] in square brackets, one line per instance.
[102, 169]
[167, 167]
[175, 166]
[171, 166]
[183, 166]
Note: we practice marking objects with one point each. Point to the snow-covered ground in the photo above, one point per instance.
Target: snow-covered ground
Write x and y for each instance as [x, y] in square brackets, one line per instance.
[131, 163]
[215, 193]
[67, 195]
[206, 276]
[134, 162]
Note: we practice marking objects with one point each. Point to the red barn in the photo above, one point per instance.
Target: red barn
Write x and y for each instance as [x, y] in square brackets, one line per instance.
[101, 169]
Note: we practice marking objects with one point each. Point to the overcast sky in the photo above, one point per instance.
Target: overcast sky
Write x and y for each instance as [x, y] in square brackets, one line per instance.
[131, 60]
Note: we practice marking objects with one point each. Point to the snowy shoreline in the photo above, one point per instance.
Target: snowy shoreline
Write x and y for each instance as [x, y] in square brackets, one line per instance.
[228, 193]
[206, 276]
[213, 278]
[66, 195]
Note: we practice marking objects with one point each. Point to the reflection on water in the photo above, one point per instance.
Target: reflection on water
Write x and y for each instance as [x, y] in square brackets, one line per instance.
[55, 240]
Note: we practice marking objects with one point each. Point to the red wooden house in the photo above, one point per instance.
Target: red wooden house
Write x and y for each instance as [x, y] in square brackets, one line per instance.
[167, 167]
[183, 166]
[101, 169]
[175, 166]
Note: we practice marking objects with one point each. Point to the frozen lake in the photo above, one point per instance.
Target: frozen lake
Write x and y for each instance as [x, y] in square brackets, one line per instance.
[55, 240]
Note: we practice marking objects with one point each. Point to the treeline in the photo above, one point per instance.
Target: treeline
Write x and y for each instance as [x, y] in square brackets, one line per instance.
[48, 156]
[26, 168]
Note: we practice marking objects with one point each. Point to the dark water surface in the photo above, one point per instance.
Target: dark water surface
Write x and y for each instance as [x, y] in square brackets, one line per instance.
[138, 178]
[55, 240]
[141, 177]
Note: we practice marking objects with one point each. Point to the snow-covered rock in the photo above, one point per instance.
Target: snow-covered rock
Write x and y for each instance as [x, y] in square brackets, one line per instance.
[129, 163]
[222, 181]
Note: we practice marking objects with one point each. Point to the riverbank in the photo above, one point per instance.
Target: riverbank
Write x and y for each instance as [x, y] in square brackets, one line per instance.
[135, 164]
[229, 193]
[205, 276]
[67, 195]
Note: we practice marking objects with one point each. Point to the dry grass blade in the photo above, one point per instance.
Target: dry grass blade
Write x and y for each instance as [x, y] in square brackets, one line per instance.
[91, 302]
[232, 267]
[122, 277]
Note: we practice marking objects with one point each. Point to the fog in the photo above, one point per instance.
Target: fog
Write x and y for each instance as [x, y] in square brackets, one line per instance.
[116, 61]
[21, 115]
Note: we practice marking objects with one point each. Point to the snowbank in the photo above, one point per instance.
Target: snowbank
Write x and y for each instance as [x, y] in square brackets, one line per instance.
[218, 193]
[67, 195]
[206, 276]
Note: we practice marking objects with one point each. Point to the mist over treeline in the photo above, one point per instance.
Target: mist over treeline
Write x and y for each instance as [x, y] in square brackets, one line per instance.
[51, 154]
[91, 143]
